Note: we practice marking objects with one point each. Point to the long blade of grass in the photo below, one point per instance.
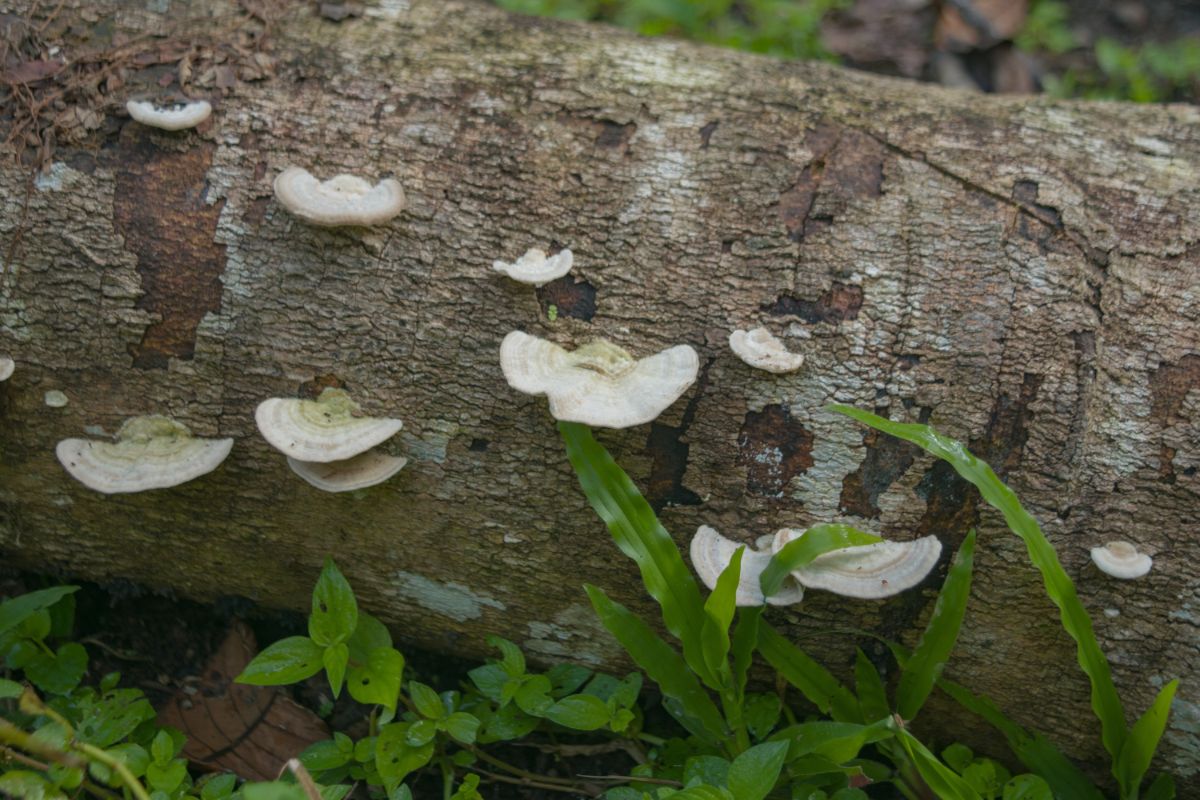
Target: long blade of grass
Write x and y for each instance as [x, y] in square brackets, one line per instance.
[925, 666]
[662, 663]
[718, 616]
[1142, 741]
[745, 638]
[1105, 701]
[1163, 788]
[872, 696]
[638, 534]
[815, 682]
[940, 778]
[816, 541]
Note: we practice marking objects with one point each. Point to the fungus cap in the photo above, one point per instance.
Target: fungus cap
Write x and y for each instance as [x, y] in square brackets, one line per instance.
[535, 268]
[150, 452]
[711, 553]
[321, 430]
[599, 383]
[870, 571]
[7, 365]
[363, 470]
[169, 117]
[1121, 560]
[762, 350]
[341, 200]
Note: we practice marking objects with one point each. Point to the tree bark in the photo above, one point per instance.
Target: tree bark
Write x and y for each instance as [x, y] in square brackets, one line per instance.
[1020, 272]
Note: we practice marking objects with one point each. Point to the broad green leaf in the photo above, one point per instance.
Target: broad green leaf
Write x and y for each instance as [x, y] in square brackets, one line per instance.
[761, 712]
[489, 680]
[940, 778]
[711, 770]
[958, 756]
[10, 689]
[872, 696]
[533, 695]
[815, 682]
[1142, 741]
[1162, 788]
[335, 658]
[218, 786]
[582, 712]
[816, 541]
[324, 755]
[334, 610]
[925, 666]
[745, 640]
[377, 681]
[166, 777]
[395, 758]
[850, 793]
[718, 616]
[162, 749]
[427, 701]
[271, 790]
[702, 793]
[28, 786]
[567, 678]
[661, 663]
[421, 732]
[838, 741]
[462, 726]
[638, 534]
[369, 634]
[753, 774]
[289, 660]
[58, 673]
[512, 660]
[1105, 701]
[15, 610]
[1027, 787]
[509, 723]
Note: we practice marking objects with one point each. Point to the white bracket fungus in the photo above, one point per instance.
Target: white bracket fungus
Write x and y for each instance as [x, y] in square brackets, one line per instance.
[869, 572]
[363, 470]
[321, 430]
[341, 200]
[599, 383]
[535, 268]
[171, 116]
[55, 399]
[711, 553]
[761, 350]
[151, 452]
[1121, 560]
[7, 365]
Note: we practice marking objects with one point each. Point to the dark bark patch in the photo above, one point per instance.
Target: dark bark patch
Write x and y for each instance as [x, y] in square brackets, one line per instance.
[1166, 465]
[669, 455]
[571, 297]
[887, 459]
[614, 134]
[312, 389]
[478, 445]
[845, 165]
[796, 202]
[1169, 384]
[774, 448]
[160, 209]
[1026, 193]
[706, 133]
[841, 302]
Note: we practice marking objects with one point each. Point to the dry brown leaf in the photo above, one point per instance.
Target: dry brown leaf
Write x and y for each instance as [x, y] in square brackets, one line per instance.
[976, 24]
[249, 730]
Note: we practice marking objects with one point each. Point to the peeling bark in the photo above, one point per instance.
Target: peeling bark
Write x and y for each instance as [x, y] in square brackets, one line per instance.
[1021, 273]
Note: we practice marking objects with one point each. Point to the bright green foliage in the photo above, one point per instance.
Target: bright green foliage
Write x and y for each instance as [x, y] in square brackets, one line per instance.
[816, 541]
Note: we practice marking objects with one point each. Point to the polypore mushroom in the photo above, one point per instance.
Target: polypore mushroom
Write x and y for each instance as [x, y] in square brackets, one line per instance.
[150, 452]
[321, 430]
[341, 200]
[169, 117]
[870, 571]
[761, 350]
[535, 268]
[359, 472]
[711, 553]
[7, 365]
[599, 383]
[1121, 560]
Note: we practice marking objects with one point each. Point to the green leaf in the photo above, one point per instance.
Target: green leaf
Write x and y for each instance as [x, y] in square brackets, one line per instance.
[567, 678]
[761, 712]
[427, 701]
[872, 696]
[958, 756]
[718, 616]
[745, 639]
[509, 723]
[61, 672]
[1027, 787]
[15, 610]
[218, 786]
[162, 749]
[753, 774]
[28, 786]
[324, 755]
[815, 682]
[289, 660]
[395, 758]
[166, 777]
[661, 663]
[462, 726]
[334, 610]
[489, 680]
[710, 770]
[1142, 741]
[421, 732]
[582, 712]
[335, 658]
[10, 689]
[815, 541]
[638, 534]
[837, 741]
[533, 695]
[377, 681]
[940, 778]
[1162, 788]
[1105, 701]
[369, 634]
[512, 660]
[272, 790]
[925, 666]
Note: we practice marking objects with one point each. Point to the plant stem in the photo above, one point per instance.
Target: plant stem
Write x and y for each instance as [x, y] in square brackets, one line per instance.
[495, 762]
[42, 766]
[552, 787]
[117, 765]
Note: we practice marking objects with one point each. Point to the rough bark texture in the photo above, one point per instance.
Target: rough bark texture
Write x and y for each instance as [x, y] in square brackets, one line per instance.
[1020, 272]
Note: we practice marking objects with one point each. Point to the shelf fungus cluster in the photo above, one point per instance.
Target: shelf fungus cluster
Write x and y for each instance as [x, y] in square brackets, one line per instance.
[7, 365]
[1121, 560]
[535, 268]
[762, 350]
[872, 571]
[327, 441]
[151, 452]
[599, 383]
[169, 116]
[341, 200]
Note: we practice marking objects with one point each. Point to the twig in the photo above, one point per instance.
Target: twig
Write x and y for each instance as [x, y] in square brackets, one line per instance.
[302, 777]
[552, 787]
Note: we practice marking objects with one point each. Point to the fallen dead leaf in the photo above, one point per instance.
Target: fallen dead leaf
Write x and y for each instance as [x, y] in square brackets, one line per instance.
[975, 24]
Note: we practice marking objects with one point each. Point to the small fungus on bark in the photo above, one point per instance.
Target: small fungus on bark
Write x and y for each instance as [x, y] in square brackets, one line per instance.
[1121, 560]
[150, 452]
[171, 116]
[341, 200]
[599, 383]
[869, 572]
[535, 268]
[361, 471]
[762, 350]
[7, 365]
[329, 428]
